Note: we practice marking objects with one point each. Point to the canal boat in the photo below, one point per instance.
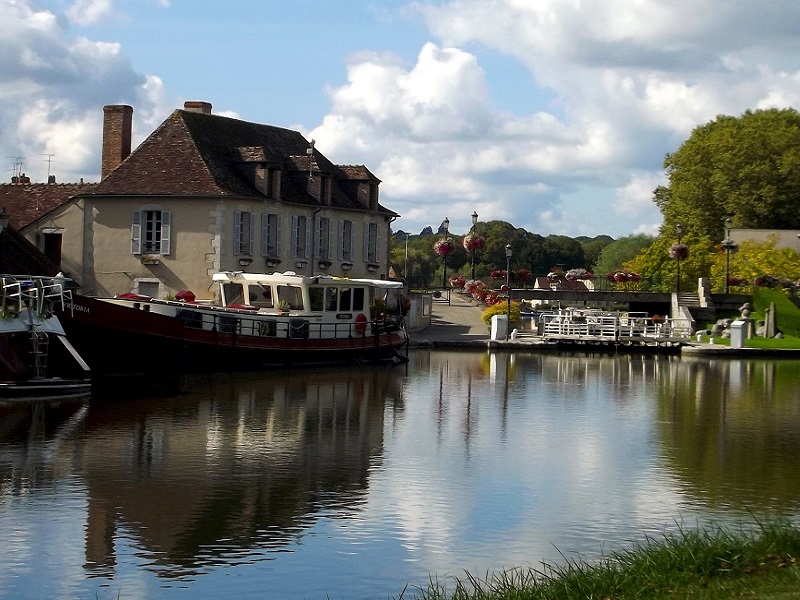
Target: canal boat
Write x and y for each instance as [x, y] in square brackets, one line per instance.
[257, 320]
[37, 361]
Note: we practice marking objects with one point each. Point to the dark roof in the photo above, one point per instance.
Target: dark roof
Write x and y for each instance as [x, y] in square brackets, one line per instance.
[20, 257]
[198, 154]
[27, 202]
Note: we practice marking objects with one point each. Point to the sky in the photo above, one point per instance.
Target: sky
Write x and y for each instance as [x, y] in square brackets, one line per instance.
[553, 115]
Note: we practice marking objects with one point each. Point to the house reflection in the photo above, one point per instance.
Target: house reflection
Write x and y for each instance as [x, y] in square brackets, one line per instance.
[239, 465]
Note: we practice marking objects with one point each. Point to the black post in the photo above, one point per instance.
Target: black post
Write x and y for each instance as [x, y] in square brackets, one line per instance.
[679, 231]
[508, 290]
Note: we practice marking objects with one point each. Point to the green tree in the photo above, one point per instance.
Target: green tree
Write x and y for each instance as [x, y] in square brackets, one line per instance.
[617, 253]
[660, 272]
[744, 167]
[757, 259]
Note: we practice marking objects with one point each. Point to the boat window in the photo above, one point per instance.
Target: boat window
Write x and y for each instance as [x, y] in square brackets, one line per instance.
[234, 293]
[292, 294]
[358, 299]
[260, 295]
[331, 295]
[316, 296]
[345, 298]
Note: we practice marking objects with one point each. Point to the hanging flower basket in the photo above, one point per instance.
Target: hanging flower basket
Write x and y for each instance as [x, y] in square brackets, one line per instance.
[524, 275]
[457, 281]
[444, 246]
[473, 242]
[679, 251]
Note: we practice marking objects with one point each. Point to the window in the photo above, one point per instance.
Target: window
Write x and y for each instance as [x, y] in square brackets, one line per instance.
[260, 295]
[371, 243]
[243, 237]
[270, 235]
[291, 294]
[150, 232]
[300, 237]
[325, 190]
[52, 246]
[324, 239]
[316, 296]
[345, 251]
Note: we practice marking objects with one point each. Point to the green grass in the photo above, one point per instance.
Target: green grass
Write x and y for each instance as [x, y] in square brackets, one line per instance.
[707, 564]
[788, 315]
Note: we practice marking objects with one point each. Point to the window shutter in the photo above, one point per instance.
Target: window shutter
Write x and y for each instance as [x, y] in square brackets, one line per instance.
[366, 242]
[278, 243]
[264, 234]
[340, 241]
[237, 232]
[352, 240]
[377, 242]
[329, 249]
[136, 232]
[309, 237]
[295, 236]
[252, 239]
[166, 226]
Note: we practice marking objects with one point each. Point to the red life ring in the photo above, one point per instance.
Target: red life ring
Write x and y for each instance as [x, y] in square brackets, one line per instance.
[361, 323]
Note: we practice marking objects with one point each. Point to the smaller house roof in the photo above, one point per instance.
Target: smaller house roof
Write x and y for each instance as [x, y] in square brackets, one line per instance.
[29, 201]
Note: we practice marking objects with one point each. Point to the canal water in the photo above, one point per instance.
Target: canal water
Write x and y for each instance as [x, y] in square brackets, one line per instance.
[356, 482]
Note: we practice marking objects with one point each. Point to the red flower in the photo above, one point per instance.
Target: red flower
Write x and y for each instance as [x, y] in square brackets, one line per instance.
[444, 246]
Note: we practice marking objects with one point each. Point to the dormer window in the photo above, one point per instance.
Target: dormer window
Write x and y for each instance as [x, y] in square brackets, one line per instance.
[325, 190]
[373, 196]
[273, 183]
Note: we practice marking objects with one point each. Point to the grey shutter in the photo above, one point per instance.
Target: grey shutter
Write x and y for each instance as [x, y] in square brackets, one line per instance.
[309, 237]
[251, 245]
[377, 242]
[136, 232]
[264, 234]
[166, 230]
[340, 241]
[366, 242]
[237, 232]
[295, 236]
[278, 246]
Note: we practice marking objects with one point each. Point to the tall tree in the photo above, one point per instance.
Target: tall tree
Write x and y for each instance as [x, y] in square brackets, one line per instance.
[744, 167]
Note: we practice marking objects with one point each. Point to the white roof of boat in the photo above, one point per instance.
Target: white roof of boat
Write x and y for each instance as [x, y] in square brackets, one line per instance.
[290, 277]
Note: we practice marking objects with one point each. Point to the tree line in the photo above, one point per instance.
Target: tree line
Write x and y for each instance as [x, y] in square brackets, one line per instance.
[741, 171]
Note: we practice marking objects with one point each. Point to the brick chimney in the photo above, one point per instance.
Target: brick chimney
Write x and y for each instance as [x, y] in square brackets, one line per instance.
[197, 106]
[117, 126]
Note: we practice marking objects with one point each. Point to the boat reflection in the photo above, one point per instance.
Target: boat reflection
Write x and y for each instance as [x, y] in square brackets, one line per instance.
[235, 464]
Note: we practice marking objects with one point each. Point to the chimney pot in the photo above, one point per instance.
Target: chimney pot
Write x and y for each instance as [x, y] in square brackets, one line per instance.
[197, 106]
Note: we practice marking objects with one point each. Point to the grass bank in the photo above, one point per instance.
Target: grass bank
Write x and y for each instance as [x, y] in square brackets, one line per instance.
[708, 564]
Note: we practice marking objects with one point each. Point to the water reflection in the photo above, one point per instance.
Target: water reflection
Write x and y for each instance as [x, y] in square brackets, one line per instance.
[246, 463]
[233, 485]
[729, 431]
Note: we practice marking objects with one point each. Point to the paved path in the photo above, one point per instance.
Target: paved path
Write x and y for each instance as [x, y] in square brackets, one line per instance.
[458, 323]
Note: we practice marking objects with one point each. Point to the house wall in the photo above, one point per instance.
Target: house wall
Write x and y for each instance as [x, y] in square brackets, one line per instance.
[96, 243]
[786, 238]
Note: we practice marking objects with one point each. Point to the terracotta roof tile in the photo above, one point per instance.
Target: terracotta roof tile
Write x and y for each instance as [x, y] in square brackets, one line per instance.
[27, 202]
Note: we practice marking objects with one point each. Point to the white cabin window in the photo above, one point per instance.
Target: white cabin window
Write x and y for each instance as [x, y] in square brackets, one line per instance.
[345, 246]
[270, 235]
[243, 237]
[150, 232]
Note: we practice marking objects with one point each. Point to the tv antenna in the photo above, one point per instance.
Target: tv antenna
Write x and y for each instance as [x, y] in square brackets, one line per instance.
[17, 170]
[49, 161]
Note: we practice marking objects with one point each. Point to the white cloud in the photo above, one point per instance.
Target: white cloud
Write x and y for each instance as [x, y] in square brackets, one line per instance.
[89, 12]
[53, 87]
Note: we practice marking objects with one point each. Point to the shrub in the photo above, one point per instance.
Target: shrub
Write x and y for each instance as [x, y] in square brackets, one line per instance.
[501, 308]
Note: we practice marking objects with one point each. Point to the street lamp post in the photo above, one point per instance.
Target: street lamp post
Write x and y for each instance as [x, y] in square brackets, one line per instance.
[679, 231]
[474, 223]
[508, 289]
[730, 246]
[446, 224]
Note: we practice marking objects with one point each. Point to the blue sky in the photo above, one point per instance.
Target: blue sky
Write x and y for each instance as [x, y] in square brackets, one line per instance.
[553, 115]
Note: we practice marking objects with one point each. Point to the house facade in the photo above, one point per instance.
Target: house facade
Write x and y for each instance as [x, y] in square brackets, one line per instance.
[206, 193]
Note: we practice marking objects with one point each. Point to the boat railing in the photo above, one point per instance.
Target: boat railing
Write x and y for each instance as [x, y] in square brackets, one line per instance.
[41, 294]
[246, 323]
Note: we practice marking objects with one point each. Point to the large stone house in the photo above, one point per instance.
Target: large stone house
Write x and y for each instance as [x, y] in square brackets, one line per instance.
[206, 193]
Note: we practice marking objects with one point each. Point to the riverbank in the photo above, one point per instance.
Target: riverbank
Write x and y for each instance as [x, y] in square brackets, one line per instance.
[710, 564]
[458, 324]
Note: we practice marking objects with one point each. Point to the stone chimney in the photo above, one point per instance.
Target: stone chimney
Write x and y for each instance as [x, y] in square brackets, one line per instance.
[197, 106]
[117, 127]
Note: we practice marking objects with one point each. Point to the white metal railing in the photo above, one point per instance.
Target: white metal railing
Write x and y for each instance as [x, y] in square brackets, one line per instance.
[36, 293]
[591, 324]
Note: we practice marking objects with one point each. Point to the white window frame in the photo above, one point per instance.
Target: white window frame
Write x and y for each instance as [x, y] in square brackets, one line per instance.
[346, 240]
[301, 236]
[151, 231]
[324, 239]
[243, 233]
[372, 247]
[271, 235]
